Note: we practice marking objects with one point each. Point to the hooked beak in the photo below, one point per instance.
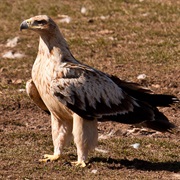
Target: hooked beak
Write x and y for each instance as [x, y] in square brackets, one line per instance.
[24, 25]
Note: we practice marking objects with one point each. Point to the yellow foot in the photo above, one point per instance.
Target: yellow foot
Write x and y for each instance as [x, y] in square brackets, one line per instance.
[79, 164]
[49, 158]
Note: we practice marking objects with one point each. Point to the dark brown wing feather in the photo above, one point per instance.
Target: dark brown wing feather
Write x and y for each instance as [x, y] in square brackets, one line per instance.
[145, 95]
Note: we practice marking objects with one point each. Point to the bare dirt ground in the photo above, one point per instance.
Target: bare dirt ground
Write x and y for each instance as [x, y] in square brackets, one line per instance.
[120, 37]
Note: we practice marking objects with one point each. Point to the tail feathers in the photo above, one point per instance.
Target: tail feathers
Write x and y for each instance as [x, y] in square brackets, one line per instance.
[145, 95]
[145, 116]
[160, 99]
[161, 123]
[161, 126]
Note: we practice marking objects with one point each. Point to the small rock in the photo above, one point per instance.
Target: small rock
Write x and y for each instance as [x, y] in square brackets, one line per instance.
[111, 38]
[64, 18]
[22, 90]
[136, 145]
[83, 10]
[94, 171]
[141, 77]
[101, 150]
[12, 55]
[145, 14]
[18, 55]
[156, 86]
[12, 42]
[8, 55]
[104, 17]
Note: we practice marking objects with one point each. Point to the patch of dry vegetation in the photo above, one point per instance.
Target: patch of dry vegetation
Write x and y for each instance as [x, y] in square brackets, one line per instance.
[122, 37]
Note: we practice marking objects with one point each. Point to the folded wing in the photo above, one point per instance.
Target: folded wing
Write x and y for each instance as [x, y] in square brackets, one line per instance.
[92, 94]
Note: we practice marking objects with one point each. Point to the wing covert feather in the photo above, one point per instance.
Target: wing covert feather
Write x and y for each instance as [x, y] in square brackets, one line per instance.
[90, 93]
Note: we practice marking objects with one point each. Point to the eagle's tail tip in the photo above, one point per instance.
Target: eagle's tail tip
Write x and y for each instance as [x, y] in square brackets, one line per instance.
[162, 126]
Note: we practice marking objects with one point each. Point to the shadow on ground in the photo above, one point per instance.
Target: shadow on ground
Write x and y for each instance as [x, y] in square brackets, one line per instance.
[139, 164]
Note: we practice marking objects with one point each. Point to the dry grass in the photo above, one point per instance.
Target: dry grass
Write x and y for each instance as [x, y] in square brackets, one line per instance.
[122, 37]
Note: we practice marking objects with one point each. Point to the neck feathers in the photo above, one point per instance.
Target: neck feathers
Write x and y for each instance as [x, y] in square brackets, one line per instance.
[54, 44]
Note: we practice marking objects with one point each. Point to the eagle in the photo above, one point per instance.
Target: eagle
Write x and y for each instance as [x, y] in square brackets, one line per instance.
[77, 96]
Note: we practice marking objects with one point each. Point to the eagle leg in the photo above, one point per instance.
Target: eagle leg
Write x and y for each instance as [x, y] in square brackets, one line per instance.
[61, 135]
[85, 137]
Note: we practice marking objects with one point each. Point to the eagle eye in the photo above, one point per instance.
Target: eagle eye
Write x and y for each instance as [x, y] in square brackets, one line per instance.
[40, 22]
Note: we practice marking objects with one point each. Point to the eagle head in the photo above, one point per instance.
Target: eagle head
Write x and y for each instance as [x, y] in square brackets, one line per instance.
[40, 23]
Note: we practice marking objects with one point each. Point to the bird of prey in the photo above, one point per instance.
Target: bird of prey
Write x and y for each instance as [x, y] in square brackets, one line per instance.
[77, 96]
